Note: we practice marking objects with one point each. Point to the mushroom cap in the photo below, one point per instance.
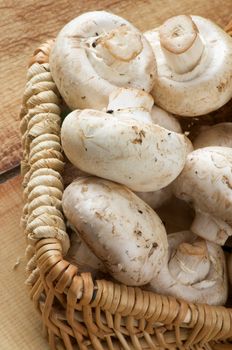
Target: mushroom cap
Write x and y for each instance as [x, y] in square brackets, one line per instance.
[84, 78]
[142, 156]
[212, 290]
[215, 135]
[205, 88]
[206, 182]
[119, 228]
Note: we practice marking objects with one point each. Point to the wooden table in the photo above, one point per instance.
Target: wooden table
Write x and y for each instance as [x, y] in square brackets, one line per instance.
[25, 25]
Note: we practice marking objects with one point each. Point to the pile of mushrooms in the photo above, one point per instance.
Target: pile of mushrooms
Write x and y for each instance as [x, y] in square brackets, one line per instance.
[127, 156]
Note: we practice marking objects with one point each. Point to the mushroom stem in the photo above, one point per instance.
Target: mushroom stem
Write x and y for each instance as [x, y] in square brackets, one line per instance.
[139, 103]
[211, 228]
[181, 43]
[120, 44]
[190, 262]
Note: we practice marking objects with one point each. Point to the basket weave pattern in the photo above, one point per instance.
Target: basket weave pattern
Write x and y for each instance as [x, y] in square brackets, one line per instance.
[77, 311]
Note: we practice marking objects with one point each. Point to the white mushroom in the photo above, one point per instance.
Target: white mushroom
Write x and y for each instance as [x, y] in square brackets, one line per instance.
[154, 199]
[206, 183]
[124, 145]
[194, 58]
[96, 52]
[119, 228]
[195, 270]
[216, 135]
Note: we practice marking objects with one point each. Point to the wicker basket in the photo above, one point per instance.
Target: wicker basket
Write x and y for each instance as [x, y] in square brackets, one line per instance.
[77, 311]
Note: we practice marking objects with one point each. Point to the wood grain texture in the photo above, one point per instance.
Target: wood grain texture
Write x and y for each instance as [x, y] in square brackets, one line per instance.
[20, 326]
[26, 24]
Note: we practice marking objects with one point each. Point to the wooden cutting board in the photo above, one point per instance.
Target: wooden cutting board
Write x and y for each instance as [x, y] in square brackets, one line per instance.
[24, 25]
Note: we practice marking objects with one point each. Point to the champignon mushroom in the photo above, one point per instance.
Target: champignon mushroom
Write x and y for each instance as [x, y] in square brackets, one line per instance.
[206, 183]
[154, 199]
[195, 270]
[216, 135]
[194, 58]
[119, 228]
[123, 145]
[96, 52]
